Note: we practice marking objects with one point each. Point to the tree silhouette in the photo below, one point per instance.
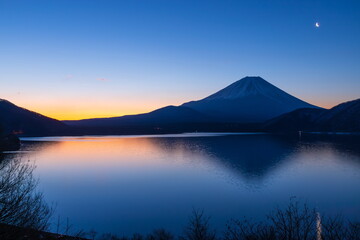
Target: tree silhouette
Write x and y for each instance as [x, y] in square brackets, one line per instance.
[20, 204]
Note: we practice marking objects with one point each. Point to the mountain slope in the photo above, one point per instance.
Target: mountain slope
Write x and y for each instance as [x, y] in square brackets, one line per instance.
[299, 120]
[251, 99]
[161, 116]
[344, 117]
[14, 119]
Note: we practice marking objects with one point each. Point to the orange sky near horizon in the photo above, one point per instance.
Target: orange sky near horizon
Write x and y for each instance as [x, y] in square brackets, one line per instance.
[89, 108]
[102, 109]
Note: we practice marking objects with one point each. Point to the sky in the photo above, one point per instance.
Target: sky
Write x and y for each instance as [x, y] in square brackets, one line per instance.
[76, 59]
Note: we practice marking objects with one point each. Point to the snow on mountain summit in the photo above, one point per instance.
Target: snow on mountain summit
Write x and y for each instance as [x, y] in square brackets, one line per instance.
[248, 86]
[251, 99]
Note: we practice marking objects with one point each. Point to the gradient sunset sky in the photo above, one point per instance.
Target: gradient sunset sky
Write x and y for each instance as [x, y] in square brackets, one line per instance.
[74, 59]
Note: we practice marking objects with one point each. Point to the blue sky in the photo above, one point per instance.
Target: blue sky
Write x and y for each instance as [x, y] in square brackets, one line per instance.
[73, 59]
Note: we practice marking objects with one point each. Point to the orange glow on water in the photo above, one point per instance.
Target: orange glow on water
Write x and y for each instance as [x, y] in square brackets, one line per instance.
[88, 149]
[129, 151]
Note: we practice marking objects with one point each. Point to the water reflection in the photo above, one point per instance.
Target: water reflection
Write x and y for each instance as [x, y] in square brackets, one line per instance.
[253, 157]
[136, 184]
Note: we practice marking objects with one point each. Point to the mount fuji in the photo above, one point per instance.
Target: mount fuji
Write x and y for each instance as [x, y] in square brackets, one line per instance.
[251, 99]
[248, 105]
[247, 101]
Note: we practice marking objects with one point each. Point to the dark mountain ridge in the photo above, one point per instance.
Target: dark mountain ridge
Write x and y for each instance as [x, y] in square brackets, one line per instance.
[165, 115]
[14, 119]
[344, 117]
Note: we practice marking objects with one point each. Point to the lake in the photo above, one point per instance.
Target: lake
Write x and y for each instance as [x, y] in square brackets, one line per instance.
[134, 184]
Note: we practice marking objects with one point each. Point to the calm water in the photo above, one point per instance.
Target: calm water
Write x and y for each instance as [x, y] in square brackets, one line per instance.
[136, 184]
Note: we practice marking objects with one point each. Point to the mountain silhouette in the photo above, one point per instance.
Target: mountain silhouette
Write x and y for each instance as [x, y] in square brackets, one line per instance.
[251, 99]
[299, 120]
[248, 105]
[14, 119]
[344, 117]
[165, 115]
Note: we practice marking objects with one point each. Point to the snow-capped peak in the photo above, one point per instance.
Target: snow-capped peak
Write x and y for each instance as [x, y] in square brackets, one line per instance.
[248, 86]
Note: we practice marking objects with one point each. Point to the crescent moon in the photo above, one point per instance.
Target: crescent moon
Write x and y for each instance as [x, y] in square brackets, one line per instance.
[317, 24]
